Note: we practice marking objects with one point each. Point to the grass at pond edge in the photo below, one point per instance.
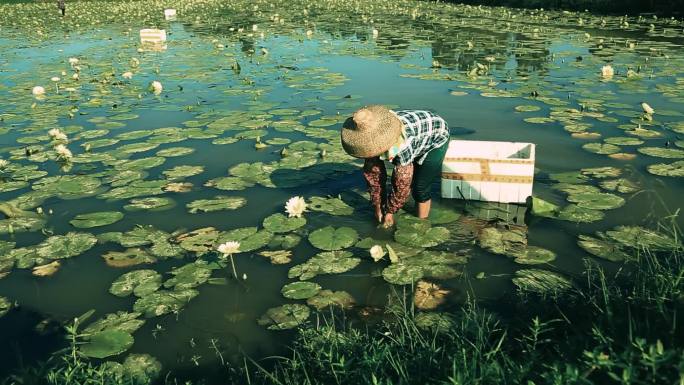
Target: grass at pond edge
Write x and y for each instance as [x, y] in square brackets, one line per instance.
[620, 329]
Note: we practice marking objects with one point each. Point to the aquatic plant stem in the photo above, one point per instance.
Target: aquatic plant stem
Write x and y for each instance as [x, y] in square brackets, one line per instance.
[232, 263]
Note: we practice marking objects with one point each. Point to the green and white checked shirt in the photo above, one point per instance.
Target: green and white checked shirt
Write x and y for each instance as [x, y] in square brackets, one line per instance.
[423, 131]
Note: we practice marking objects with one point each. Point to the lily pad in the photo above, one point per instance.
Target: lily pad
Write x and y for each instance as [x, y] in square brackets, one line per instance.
[326, 298]
[541, 282]
[285, 317]
[150, 203]
[574, 213]
[532, 255]
[621, 185]
[300, 290]
[130, 257]
[331, 262]
[330, 238]
[501, 240]
[434, 321]
[597, 201]
[639, 237]
[284, 241]
[106, 343]
[137, 282]
[216, 204]
[182, 172]
[332, 206]
[279, 223]
[419, 233]
[601, 172]
[675, 169]
[163, 302]
[189, 276]
[121, 320]
[662, 152]
[602, 248]
[66, 246]
[278, 257]
[90, 220]
[603, 149]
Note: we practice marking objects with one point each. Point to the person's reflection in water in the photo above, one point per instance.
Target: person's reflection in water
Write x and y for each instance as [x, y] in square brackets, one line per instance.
[61, 5]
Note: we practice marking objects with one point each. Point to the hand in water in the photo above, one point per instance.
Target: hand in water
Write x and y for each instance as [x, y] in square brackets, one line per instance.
[388, 220]
[378, 214]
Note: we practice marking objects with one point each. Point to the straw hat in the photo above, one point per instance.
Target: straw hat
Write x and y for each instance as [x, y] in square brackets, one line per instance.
[371, 131]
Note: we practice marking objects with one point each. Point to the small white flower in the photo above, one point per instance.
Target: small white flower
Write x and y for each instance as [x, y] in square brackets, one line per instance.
[309, 33]
[377, 252]
[54, 132]
[295, 207]
[156, 87]
[60, 136]
[55, 79]
[3, 163]
[244, 276]
[255, 27]
[38, 90]
[647, 109]
[127, 75]
[375, 33]
[75, 76]
[63, 152]
[73, 61]
[607, 71]
[230, 247]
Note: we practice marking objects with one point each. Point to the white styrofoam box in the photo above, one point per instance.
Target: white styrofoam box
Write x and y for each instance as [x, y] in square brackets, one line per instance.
[152, 36]
[170, 14]
[488, 171]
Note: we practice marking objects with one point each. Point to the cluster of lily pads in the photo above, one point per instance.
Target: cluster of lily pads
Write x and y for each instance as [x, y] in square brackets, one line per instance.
[225, 73]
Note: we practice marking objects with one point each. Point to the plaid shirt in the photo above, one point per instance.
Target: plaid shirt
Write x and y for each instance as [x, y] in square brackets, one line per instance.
[423, 132]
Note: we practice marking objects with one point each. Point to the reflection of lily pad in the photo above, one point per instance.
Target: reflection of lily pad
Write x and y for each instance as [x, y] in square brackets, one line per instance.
[330, 238]
[285, 317]
[326, 298]
[138, 282]
[279, 223]
[106, 343]
[300, 290]
[541, 282]
[102, 218]
[332, 206]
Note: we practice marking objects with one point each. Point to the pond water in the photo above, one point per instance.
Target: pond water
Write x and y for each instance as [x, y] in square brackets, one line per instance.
[286, 74]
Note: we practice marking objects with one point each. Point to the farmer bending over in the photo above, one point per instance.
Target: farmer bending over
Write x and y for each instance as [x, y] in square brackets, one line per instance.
[414, 141]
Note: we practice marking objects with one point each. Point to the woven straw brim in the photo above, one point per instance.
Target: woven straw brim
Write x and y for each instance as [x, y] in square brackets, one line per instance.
[372, 141]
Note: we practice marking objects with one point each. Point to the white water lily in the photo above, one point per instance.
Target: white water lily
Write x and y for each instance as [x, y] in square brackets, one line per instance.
[255, 27]
[607, 71]
[3, 163]
[377, 252]
[375, 33]
[73, 61]
[54, 132]
[647, 109]
[127, 75]
[156, 87]
[63, 152]
[38, 90]
[229, 248]
[75, 76]
[309, 33]
[295, 207]
[55, 79]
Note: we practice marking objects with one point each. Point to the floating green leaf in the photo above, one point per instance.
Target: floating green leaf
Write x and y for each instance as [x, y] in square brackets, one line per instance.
[300, 290]
[102, 218]
[106, 343]
[279, 223]
[216, 204]
[331, 262]
[284, 317]
[332, 206]
[541, 282]
[327, 298]
[138, 282]
[330, 238]
[163, 302]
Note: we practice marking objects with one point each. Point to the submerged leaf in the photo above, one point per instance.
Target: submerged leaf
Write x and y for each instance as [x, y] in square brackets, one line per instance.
[284, 317]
